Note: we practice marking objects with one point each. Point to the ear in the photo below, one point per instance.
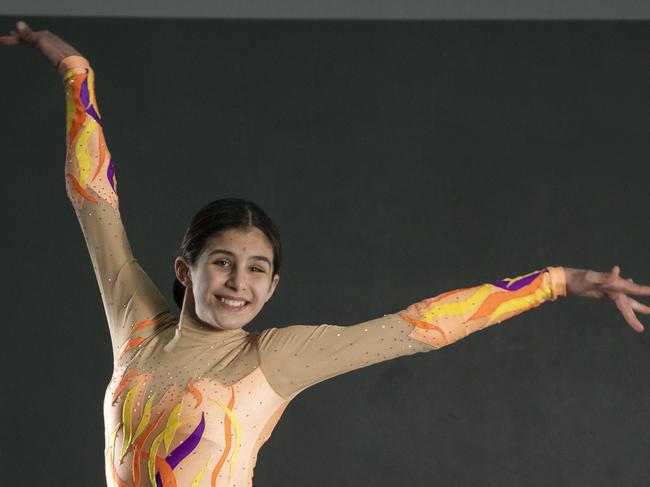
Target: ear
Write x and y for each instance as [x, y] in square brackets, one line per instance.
[183, 272]
[272, 286]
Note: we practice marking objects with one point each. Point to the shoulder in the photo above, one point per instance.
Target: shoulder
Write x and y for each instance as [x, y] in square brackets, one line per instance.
[292, 337]
[291, 331]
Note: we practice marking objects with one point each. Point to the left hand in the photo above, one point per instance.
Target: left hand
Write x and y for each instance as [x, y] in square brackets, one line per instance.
[51, 46]
[593, 284]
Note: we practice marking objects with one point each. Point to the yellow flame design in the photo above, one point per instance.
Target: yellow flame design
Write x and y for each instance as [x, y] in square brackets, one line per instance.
[110, 449]
[146, 416]
[91, 91]
[460, 307]
[173, 422]
[197, 479]
[521, 303]
[81, 150]
[127, 416]
[153, 452]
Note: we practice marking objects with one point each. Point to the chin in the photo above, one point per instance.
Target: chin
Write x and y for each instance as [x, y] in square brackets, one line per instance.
[230, 328]
[227, 323]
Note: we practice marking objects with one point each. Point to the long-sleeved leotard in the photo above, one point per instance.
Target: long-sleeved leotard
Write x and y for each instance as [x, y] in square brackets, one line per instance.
[189, 405]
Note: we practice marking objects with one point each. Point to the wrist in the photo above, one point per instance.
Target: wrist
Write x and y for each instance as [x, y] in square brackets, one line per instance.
[71, 61]
[61, 57]
[583, 282]
[573, 277]
[557, 276]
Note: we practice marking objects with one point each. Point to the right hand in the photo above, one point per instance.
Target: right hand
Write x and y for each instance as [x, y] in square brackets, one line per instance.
[594, 284]
[51, 46]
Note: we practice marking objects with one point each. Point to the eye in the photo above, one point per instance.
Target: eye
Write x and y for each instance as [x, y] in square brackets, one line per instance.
[257, 269]
[221, 262]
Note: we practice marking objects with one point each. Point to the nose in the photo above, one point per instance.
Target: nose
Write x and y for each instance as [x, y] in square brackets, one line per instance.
[236, 280]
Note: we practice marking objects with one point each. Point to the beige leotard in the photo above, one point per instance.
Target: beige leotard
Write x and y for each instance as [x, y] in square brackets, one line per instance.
[191, 406]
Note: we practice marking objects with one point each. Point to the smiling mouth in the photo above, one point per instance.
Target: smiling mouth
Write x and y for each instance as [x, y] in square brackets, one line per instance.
[232, 304]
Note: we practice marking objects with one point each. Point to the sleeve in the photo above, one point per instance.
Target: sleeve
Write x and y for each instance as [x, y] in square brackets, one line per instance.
[296, 357]
[132, 302]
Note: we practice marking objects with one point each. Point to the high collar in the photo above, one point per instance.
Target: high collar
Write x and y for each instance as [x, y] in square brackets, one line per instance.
[193, 328]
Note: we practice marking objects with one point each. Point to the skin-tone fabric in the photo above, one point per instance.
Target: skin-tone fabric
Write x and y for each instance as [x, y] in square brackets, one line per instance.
[191, 405]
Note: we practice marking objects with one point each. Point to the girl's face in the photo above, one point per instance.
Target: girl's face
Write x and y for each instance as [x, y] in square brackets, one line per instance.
[231, 280]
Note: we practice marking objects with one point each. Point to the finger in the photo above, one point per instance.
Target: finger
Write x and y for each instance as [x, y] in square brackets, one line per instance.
[8, 41]
[628, 314]
[628, 286]
[22, 25]
[24, 30]
[640, 307]
[616, 284]
[612, 276]
[637, 289]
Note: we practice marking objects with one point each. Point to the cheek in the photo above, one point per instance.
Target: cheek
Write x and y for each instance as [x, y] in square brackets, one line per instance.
[208, 280]
[262, 289]
[215, 279]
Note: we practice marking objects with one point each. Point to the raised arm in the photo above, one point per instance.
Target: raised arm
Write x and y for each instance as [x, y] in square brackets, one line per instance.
[296, 357]
[133, 305]
[131, 300]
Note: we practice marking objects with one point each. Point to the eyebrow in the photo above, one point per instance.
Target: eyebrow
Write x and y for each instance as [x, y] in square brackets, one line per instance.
[228, 252]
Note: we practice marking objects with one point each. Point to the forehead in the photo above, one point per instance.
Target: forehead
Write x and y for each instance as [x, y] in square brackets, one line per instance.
[249, 241]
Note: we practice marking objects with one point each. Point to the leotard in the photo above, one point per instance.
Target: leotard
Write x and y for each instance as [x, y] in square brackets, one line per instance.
[191, 406]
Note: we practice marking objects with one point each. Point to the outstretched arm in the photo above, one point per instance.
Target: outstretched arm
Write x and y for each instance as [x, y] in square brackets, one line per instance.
[296, 357]
[134, 306]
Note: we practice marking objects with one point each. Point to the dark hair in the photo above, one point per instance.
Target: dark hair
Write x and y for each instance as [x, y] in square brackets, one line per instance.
[218, 216]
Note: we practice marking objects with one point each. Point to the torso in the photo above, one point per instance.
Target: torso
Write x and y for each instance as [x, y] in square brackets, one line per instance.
[202, 407]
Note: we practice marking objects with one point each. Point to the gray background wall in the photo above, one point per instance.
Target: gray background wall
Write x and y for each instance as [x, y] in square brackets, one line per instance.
[400, 160]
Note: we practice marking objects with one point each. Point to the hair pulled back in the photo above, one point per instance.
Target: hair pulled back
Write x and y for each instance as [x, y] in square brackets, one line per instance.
[218, 216]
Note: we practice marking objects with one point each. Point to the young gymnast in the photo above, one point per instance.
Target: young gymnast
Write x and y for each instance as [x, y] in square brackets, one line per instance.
[192, 400]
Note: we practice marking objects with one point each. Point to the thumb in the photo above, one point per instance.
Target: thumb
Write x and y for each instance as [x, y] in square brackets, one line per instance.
[24, 30]
[613, 274]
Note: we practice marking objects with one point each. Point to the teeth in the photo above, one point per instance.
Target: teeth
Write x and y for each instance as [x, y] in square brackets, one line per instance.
[231, 302]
